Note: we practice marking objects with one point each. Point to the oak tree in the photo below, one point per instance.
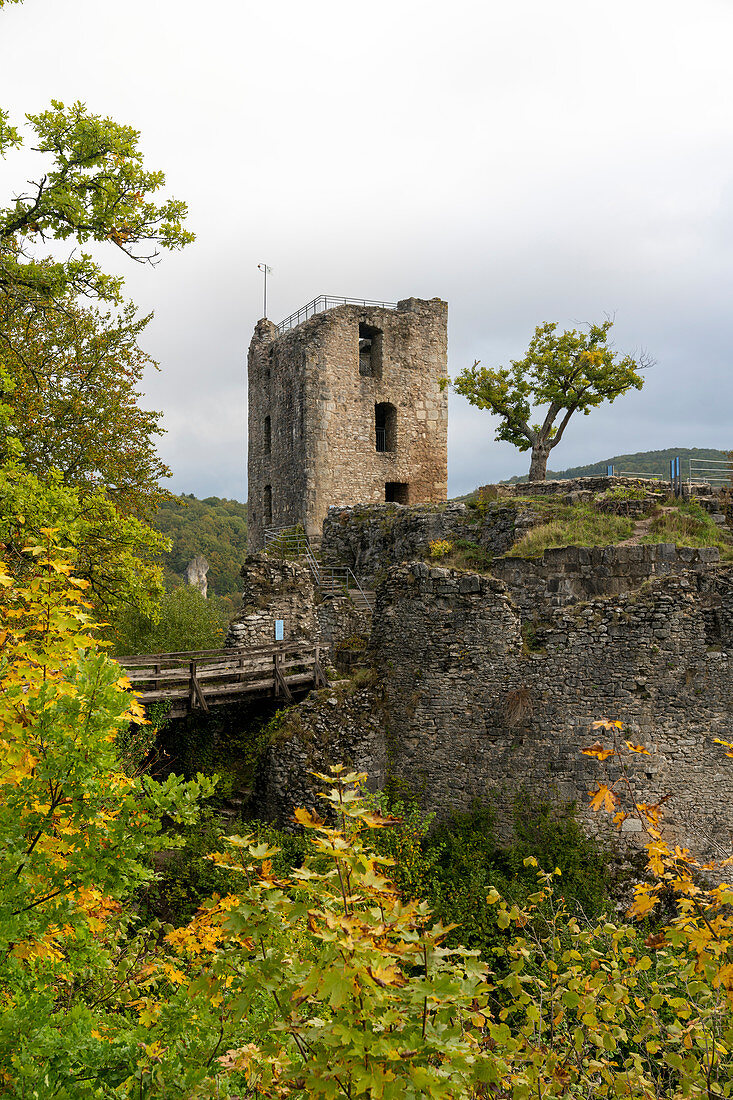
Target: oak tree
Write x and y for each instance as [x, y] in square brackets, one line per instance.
[561, 374]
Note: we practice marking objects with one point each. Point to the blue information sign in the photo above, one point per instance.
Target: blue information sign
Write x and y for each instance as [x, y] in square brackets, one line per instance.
[279, 630]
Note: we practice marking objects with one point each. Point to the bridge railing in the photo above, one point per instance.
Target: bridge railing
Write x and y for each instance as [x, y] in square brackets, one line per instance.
[204, 676]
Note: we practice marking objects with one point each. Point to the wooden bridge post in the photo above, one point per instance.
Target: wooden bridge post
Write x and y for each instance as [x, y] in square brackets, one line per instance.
[191, 681]
[157, 673]
[281, 685]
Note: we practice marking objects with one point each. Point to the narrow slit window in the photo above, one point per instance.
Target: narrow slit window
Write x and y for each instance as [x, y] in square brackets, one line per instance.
[385, 426]
[268, 435]
[370, 351]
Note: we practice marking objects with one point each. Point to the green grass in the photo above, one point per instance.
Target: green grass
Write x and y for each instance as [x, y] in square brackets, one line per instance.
[572, 525]
[687, 524]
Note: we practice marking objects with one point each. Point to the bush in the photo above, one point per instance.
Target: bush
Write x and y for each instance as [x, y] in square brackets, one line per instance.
[187, 621]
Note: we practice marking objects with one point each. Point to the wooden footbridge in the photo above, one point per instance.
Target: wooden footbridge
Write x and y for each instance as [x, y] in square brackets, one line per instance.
[213, 677]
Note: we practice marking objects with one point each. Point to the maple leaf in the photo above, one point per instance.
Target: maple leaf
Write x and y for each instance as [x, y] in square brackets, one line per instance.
[604, 797]
[636, 748]
[644, 901]
[598, 751]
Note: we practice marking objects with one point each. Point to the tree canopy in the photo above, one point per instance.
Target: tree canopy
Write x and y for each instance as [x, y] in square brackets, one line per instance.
[77, 451]
[94, 188]
[561, 374]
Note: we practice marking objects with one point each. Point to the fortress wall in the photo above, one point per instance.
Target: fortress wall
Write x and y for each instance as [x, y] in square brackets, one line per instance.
[567, 574]
[469, 706]
[371, 538]
[470, 709]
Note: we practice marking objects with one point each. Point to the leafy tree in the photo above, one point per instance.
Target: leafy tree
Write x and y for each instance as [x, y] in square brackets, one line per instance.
[94, 188]
[183, 620]
[117, 554]
[76, 375]
[67, 374]
[362, 999]
[571, 372]
[76, 836]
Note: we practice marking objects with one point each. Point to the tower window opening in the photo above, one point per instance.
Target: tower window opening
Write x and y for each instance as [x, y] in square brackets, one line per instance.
[396, 492]
[267, 505]
[385, 425]
[268, 435]
[370, 351]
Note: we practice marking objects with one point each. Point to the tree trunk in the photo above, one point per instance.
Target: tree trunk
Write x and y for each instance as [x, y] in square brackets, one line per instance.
[538, 465]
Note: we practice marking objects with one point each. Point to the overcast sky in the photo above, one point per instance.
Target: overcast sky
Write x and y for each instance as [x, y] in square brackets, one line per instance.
[525, 160]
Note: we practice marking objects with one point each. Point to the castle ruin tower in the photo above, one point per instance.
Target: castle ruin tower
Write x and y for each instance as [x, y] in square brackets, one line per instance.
[345, 407]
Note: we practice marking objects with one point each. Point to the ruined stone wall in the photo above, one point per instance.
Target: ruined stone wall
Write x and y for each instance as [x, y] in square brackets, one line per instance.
[274, 588]
[470, 709]
[278, 588]
[334, 726]
[372, 538]
[571, 573]
[323, 448]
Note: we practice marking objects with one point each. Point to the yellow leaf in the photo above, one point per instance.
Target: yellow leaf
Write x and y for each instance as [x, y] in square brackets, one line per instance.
[636, 748]
[598, 751]
[604, 797]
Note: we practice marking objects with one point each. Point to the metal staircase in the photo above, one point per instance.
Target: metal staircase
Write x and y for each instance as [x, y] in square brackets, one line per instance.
[340, 580]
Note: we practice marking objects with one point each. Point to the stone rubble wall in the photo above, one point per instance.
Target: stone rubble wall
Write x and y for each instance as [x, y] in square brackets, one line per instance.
[274, 588]
[372, 538]
[279, 588]
[468, 707]
[571, 573]
[329, 727]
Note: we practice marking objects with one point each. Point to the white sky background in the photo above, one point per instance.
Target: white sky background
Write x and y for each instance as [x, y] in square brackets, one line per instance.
[526, 161]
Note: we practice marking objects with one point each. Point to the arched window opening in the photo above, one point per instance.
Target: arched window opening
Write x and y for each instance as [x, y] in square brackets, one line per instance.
[385, 424]
[268, 435]
[370, 351]
[267, 505]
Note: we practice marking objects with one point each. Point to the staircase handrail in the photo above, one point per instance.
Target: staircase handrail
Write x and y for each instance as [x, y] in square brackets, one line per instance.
[293, 537]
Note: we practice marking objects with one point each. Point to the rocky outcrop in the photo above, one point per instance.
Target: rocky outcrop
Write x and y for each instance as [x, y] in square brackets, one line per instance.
[195, 573]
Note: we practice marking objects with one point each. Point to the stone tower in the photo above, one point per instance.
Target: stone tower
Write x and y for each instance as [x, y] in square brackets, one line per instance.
[345, 407]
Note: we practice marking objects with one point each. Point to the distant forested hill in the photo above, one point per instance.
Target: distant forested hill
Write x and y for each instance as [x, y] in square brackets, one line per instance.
[214, 527]
[644, 462]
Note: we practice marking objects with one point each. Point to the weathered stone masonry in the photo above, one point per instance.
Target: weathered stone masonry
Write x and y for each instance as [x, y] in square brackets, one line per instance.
[346, 407]
[468, 709]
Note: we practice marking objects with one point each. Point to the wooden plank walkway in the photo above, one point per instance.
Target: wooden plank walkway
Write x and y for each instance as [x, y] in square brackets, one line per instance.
[200, 679]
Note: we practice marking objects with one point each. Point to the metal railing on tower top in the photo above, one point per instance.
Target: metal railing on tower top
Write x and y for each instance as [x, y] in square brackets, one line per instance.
[322, 303]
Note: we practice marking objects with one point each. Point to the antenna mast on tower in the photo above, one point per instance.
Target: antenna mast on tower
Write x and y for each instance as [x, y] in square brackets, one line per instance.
[265, 271]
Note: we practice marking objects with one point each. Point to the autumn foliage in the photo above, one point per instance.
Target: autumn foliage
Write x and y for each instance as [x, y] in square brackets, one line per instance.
[324, 980]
